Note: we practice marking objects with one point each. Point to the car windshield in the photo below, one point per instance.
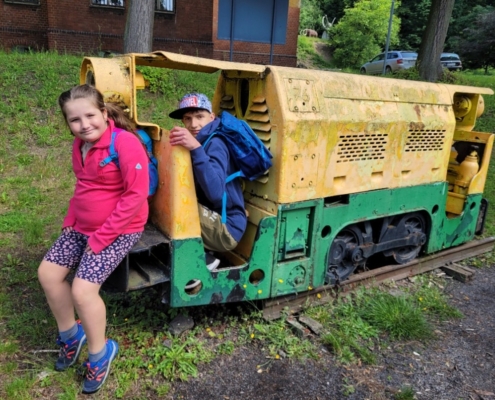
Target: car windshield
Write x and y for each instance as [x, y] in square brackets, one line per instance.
[450, 57]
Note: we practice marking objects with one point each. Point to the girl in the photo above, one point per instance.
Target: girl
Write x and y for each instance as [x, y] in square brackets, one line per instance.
[106, 217]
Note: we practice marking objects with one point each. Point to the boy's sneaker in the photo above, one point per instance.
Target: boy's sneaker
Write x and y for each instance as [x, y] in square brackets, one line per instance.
[69, 352]
[211, 261]
[192, 284]
[97, 373]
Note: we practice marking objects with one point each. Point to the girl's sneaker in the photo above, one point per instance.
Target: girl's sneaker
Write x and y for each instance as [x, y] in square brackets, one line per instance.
[97, 373]
[69, 352]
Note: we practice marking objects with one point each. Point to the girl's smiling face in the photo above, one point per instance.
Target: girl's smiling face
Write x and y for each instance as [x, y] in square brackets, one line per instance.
[85, 120]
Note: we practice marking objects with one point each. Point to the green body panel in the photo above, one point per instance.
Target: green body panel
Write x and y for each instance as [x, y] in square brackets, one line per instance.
[431, 199]
[291, 250]
[250, 281]
[449, 232]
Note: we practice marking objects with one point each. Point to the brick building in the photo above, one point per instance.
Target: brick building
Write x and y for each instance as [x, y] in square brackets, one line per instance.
[255, 31]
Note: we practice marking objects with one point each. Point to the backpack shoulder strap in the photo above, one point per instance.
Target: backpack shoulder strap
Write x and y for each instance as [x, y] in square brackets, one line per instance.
[113, 156]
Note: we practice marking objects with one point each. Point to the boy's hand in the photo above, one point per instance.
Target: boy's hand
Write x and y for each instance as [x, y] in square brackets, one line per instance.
[181, 136]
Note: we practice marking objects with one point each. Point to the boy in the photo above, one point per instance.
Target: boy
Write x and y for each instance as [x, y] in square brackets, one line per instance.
[211, 166]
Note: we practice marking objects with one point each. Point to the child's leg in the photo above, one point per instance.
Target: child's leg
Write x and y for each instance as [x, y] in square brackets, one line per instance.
[215, 235]
[93, 270]
[64, 255]
[58, 293]
[92, 312]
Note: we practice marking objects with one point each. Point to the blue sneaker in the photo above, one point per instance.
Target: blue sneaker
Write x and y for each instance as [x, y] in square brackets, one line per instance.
[69, 352]
[97, 373]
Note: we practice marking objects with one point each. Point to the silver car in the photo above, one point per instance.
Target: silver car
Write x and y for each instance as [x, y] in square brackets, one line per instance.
[396, 60]
[451, 61]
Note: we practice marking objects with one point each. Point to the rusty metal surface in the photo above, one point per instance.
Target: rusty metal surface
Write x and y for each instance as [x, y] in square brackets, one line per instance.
[272, 308]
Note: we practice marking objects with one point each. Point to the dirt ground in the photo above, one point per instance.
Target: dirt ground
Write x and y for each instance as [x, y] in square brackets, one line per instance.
[458, 364]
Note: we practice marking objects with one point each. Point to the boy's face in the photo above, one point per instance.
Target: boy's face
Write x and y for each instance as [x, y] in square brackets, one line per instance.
[195, 120]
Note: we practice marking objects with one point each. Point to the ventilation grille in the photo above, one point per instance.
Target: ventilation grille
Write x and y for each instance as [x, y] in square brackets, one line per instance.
[425, 140]
[361, 147]
[257, 118]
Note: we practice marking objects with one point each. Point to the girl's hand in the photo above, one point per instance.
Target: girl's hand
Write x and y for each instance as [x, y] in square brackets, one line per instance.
[88, 250]
[67, 229]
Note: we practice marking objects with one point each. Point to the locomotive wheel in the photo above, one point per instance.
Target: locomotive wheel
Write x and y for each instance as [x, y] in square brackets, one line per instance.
[342, 260]
[413, 223]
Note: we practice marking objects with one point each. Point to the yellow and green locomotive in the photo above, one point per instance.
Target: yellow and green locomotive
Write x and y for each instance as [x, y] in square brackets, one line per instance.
[363, 167]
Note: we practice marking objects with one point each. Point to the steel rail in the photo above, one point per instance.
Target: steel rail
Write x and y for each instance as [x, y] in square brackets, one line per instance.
[273, 308]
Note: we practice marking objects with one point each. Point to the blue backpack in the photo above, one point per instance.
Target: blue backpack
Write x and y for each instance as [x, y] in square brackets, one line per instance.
[250, 154]
[152, 163]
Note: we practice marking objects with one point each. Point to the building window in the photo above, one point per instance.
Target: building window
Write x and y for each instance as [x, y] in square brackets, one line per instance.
[262, 21]
[165, 5]
[108, 3]
[30, 2]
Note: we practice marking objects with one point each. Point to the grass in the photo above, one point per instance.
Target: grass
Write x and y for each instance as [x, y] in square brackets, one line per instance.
[35, 183]
[358, 324]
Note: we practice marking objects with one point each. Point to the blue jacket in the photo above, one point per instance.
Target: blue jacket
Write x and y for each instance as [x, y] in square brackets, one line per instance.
[211, 168]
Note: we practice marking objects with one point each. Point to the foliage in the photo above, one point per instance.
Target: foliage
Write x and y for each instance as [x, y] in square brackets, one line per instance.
[278, 338]
[307, 54]
[405, 393]
[468, 34]
[310, 16]
[413, 15]
[397, 315]
[336, 8]
[476, 44]
[362, 32]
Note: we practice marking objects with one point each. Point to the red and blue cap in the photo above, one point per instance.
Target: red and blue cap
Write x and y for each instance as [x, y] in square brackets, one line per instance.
[191, 102]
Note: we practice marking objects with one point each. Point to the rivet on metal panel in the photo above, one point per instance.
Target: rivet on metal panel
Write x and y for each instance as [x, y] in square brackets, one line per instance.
[313, 108]
[313, 155]
[307, 81]
[296, 108]
[293, 185]
[265, 196]
[310, 183]
[296, 157]
[290, 80]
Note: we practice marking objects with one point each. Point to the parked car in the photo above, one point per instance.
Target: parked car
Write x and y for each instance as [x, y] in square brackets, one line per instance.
[396, 60]
[451, 61]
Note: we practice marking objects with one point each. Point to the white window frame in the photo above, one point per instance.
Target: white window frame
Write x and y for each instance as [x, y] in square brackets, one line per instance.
[108, 3]
[165, 6]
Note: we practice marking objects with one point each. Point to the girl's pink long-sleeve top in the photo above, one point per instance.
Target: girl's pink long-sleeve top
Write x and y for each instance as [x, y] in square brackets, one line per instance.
[109, 201]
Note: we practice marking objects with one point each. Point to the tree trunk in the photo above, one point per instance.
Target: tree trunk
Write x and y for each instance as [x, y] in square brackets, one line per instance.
[138, 36]
[428, 63]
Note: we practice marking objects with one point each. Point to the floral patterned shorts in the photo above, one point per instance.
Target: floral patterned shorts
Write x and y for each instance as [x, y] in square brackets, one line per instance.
[68, 251]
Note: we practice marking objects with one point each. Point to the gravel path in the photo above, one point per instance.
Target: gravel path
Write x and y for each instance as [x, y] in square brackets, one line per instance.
[459, 364]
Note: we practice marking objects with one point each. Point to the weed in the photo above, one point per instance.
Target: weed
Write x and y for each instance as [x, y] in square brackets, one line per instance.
[226, 347]
[398, 316]
[18, 388]
[163, 389]
[277, 336]
[404, 393]
[174, 362]
[12, 262]
[432, 301]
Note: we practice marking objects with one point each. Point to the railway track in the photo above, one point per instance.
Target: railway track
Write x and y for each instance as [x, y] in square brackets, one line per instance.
[273, 308]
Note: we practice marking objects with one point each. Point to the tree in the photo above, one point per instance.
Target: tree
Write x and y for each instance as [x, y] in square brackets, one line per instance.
[138, 36]
[413, 15]
[362, 32]
[428, 62]
[310, 16]
[477, 43]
